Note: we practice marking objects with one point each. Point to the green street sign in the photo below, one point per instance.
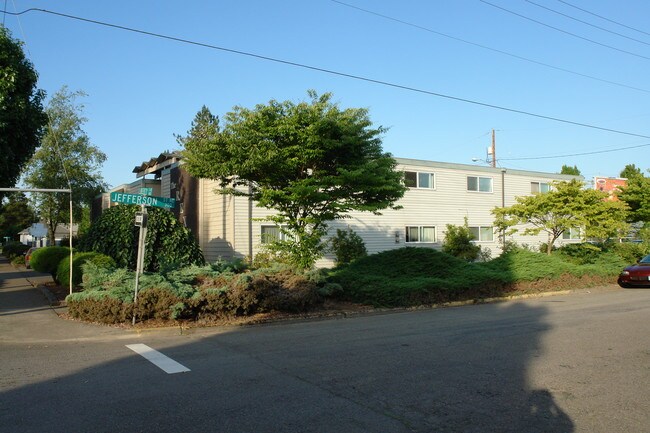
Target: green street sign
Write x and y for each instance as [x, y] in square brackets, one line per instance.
[146, 191]
[139, 199]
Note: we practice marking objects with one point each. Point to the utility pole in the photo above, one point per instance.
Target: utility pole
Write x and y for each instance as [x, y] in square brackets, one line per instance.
[494, 150]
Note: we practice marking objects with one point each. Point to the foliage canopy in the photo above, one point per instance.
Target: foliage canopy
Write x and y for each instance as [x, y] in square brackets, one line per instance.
[65, 152]
[567, 169]
[567, 206]
[637, 196]
[312, 162]
[15, 215]
[631, 171]
[21, 110]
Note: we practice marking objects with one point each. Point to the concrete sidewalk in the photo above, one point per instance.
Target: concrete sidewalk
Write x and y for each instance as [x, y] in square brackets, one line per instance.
[26, 313]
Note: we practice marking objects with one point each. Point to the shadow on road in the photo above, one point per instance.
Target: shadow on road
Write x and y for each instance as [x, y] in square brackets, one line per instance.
[452, 370]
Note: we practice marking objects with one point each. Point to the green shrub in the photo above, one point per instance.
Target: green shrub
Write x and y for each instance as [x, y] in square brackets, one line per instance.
[412, 276]
[168, 242]
[543, 248]
[171, 296]
[18, 261]
[458, 243]
[630, 252]
[78, 259]
[286, 291]
[212, 303]
[157, 303]
[524, 265]
[119, 282]
[347, 246]
[581, 254]
[267, 258]
[47, 259]
[14, 249]
[98, 307]
[235, 265]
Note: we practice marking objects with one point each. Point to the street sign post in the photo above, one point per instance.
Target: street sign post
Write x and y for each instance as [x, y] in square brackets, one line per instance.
[140, 221]
[143, 200]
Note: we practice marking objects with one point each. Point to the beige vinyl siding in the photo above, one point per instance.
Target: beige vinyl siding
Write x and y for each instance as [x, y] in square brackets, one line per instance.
[230, 227]
[216, 222]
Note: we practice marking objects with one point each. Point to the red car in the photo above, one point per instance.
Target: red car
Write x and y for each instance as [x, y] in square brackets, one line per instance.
[636, 275]
[28, 256]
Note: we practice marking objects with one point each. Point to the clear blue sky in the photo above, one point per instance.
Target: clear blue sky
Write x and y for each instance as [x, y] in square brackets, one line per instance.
[142, 90]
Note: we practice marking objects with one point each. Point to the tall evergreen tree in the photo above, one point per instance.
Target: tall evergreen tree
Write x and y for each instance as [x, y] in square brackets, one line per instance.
[567, 169]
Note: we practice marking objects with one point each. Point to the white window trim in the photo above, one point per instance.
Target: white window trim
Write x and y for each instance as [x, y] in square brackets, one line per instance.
[539, 186]
[417, 179]
[420, 227]
[478, 184]
[572, 232]
[282, 236]
[479, 240]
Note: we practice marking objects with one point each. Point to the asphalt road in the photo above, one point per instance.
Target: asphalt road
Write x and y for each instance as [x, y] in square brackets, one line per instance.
[578, 362]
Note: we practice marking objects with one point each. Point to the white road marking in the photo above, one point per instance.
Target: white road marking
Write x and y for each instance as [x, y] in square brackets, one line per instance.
[161, 361]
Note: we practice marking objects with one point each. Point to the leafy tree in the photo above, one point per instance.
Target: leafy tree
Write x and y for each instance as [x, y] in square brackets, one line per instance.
[567, 206]
[631, 171]
[168, 241]
[312, 162]
[567, 169]
[65, 153]
[15, 216]
[637, 196]
[21, 111]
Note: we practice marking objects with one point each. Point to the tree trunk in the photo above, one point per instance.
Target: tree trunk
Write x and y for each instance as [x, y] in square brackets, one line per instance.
[50, 234]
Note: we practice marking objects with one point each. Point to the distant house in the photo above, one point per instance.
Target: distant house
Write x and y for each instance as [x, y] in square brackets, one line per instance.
[439, 194]
[610, 185]
[36, 234]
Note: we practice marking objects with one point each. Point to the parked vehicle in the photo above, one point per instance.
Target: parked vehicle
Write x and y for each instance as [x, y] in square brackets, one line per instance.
[28, 256]
[636, 275]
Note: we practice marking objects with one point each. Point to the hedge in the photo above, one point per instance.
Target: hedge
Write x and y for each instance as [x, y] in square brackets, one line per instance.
[78, 259]
[47, 259]
[193, 293]
[168, 241]
[14, 249]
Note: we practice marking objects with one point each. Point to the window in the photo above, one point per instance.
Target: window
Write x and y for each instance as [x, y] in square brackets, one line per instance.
[539, 187]
[416, 179]
[572, 234]
[480, 184]
[482, 233]
[271, 234]
[420, 234]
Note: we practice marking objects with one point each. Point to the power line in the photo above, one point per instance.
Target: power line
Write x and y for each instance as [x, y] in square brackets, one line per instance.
[332, 72]
[485, 47]
[603, 18]
[564, 31]
[587, 23]
[595, 152]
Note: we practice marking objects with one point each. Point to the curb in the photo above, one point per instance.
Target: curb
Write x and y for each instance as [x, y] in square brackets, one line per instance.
[49, 295]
